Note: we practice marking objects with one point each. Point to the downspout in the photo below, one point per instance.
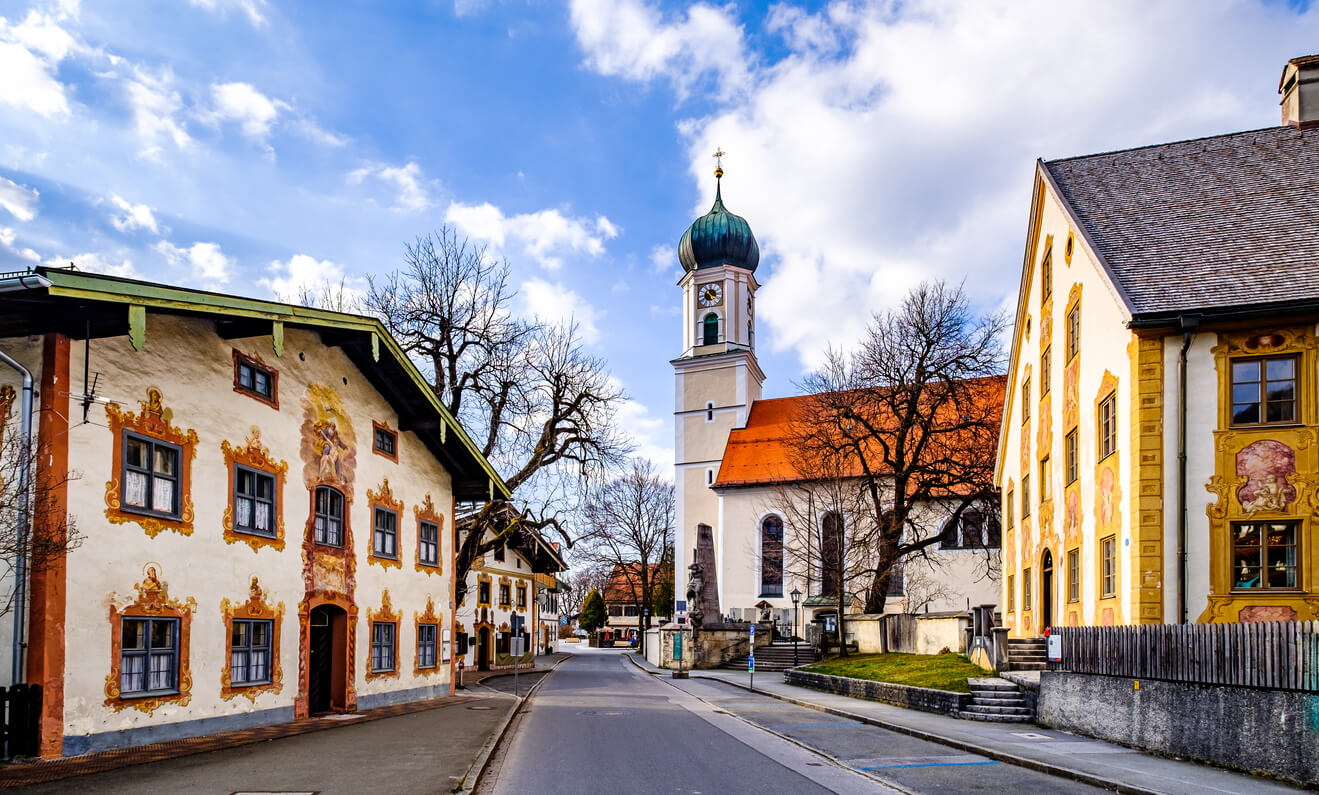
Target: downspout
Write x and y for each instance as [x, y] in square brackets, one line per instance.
[15, 283]
[1188, 325]
[24, 488]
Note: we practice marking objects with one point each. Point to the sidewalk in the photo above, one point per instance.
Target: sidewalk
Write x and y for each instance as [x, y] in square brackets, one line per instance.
[1056, 753]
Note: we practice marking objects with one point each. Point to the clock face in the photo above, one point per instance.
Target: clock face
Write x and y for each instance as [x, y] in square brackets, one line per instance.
[711, 294]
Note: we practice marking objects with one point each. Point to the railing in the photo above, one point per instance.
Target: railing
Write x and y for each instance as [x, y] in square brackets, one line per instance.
[1279, 654]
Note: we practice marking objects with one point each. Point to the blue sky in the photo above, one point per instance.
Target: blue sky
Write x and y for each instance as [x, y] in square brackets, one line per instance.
[250, 146]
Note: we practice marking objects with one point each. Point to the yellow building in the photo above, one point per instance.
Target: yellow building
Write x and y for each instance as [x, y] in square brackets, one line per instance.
[1159, 456]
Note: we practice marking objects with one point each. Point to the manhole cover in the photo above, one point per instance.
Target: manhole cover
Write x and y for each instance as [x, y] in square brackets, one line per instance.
[605, 713]
[480, 707]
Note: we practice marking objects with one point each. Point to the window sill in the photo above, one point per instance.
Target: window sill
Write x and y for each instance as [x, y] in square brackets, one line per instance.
[255, 532]
[1264, 425]
[1268, 591]
[148, 694]
[328, 546]
[384, 557]
[136, 511]
[262, 683]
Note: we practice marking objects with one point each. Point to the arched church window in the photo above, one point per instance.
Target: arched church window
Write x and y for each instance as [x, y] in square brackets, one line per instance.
[771, 556]
[711, 329]
[831, 554]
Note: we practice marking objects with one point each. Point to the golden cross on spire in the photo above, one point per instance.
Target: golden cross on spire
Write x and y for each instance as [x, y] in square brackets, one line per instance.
[718, 162]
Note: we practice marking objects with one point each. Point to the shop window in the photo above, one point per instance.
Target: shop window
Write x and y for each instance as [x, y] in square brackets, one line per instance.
[1264, 555]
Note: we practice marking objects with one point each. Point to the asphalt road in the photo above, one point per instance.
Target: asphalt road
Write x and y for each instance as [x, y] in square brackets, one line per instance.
[598, 724]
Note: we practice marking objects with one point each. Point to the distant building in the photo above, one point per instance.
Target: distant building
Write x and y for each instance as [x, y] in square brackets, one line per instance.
[620, 600]
[265, 497]
[1158, 459]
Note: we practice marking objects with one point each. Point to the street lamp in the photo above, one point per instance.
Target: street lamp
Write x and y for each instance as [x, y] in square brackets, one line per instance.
[796, 600]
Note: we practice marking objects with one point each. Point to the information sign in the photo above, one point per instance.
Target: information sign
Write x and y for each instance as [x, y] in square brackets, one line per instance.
[1055, 648]
[677, 646]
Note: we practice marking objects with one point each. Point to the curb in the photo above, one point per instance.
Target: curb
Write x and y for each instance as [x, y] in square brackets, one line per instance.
[482, 760]
[961, 745]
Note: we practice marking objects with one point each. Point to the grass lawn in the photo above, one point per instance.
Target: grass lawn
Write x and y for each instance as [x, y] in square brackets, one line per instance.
[939, 671]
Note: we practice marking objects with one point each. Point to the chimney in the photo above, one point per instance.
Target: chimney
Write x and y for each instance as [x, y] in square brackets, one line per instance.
[1299, 88]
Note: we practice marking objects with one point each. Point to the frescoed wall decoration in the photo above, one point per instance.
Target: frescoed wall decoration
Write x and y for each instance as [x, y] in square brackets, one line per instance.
[254, 609]
[385, 615]
[329, 445]
[157, 497]
[162, 623]
[1267, 467]
[255, 455]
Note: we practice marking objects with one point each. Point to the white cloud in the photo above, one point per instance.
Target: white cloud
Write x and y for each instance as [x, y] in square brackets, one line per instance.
[555, 303]
[134, 216]
[241, 103]
[547, 236]
[250, 8]
[97, 263]
[410, 188]
[19, 200]
[913, 129]
[649, 433]
[620, 286]
[206, 262]
[663, 258]
[467, 8]
[631, 39]
[10, 253]
[155, 104]
[30, 53]
[303, 274]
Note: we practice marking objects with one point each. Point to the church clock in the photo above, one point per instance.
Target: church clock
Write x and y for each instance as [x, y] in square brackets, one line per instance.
[711, 294]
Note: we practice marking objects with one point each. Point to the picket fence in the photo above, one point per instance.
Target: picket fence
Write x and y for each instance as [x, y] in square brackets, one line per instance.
[1281, 655]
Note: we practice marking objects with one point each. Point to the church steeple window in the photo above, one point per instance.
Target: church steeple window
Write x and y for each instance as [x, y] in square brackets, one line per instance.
[710, 327]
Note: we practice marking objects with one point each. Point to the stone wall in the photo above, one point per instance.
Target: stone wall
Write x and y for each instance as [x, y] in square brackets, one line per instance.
[711, 648]
[926, 699]
[1269, 731]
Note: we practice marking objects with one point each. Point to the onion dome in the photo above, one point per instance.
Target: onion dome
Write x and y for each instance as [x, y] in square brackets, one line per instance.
[718, 238]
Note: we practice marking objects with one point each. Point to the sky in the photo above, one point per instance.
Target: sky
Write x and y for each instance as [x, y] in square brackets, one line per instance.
[257, 146]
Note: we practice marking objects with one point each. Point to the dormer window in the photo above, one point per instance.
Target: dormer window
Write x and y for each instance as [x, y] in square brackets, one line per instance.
[710, 329]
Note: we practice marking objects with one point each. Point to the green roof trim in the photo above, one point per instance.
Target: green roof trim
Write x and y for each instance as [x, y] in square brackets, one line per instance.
[139, 295]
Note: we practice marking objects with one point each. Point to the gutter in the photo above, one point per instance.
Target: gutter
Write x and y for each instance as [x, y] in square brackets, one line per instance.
[1251, 311]
[1188, 325]
[11, 284]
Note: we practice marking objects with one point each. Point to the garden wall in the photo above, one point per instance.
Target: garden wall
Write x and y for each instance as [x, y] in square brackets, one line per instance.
[941, 701]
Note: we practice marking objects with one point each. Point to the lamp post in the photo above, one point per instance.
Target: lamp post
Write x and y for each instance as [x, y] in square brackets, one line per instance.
[796, 600]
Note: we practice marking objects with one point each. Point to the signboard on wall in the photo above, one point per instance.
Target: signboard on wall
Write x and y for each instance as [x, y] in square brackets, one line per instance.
[1055, 648]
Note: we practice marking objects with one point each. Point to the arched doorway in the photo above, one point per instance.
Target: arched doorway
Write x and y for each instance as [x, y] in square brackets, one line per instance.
[1046, 590]
[483, 649]
[327, 665]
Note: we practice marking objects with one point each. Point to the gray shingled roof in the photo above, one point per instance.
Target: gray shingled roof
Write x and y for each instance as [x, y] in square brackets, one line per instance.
[1209, 223]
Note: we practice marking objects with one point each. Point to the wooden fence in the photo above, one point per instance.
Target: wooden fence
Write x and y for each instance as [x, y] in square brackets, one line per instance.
[1281, 654]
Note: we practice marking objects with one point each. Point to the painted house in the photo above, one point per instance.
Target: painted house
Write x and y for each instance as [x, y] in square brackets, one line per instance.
[1157, 458]
[503, 584]
[733, 463]
[264, 495]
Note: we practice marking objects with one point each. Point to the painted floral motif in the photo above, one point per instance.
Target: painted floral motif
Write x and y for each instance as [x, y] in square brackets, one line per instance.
[1261, 613]
[1266, 465]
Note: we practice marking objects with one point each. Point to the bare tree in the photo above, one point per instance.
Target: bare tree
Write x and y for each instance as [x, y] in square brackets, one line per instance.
[578, 582]
[540, 408]
[912, 417]
[629, 525]
[33, 529]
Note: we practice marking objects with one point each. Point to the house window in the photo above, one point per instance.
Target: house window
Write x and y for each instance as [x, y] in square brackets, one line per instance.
[1010, 509]
[1263, 390]
[1073, 332]
[771, 556]
[1025, 401]
[1046, 276]
[251, 378]
[616, 611]
[1108, 567]
[972, 530]
[1074, 575]
[499, 553]
[1012, 593]
[426, 645]
[149, 656]
[522, 596]
[710, 329]
[385, 537]
[1072, 445]
[709, 411]
[1044, 480]
[428, 543]
[483, 594]
[385, 441]
[329, 516]
[1025, 496]
[1025, 589]
[504, 596]
[254, 501]
[151, 476]
[382, 646]
[629, 611]
[1108, 426]
[709, 477]
[1046, 371]
[1264, 555]
[249, 655]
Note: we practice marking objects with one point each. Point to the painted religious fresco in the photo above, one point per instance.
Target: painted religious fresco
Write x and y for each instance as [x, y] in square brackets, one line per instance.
[329, 446]
[1267, 467]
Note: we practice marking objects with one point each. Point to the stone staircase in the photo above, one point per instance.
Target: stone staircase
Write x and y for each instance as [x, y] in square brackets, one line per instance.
[1027, 654]
[996, 701]
[774, 657]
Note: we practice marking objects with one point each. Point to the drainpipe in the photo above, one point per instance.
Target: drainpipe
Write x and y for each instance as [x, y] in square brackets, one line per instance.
[1188, 324]
[24, 488]
[15, 283]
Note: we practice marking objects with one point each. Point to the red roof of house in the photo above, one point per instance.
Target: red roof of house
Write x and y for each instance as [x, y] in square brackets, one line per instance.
[761, 452]
[618, 589]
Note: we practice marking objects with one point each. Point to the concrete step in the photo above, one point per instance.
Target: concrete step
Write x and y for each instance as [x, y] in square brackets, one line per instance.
[993, 718]
[979, 709]
[1027, 666]
[998, 701]
[989, 685]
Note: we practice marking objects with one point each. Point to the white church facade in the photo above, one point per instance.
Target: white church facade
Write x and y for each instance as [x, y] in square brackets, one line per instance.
[731, 469]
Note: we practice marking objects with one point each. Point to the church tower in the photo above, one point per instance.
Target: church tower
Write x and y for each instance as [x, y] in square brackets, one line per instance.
[718, 377]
